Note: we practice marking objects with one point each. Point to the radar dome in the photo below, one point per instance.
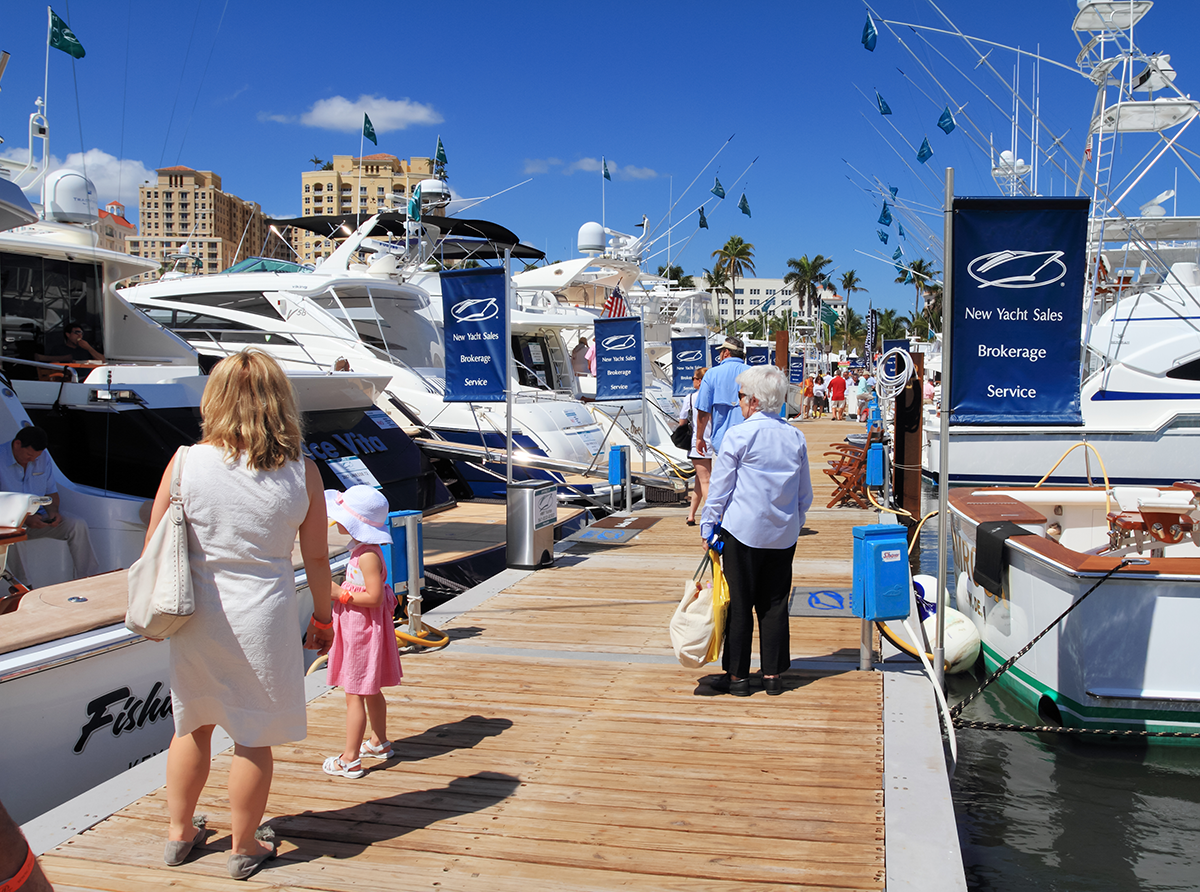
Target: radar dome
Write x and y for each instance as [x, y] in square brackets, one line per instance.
[434, 193]
[591, 238]
[70, 197]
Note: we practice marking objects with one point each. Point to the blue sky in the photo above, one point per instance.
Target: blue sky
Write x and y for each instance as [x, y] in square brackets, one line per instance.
[544, 90]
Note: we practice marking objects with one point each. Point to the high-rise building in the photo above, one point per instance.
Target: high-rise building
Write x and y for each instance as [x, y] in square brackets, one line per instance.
[186, 212]
[374, 180]
[114, 229]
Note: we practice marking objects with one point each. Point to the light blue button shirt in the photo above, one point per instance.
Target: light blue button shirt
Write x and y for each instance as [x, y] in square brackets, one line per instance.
[37, 478]
[760, 489]
[718, 395]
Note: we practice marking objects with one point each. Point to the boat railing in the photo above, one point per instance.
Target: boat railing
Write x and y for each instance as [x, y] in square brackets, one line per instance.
[56, 368]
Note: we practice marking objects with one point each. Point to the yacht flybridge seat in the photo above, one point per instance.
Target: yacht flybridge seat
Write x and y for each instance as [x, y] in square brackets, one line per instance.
[1143, 513]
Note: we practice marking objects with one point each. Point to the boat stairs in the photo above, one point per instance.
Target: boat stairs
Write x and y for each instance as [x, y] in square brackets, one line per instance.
[557, 744]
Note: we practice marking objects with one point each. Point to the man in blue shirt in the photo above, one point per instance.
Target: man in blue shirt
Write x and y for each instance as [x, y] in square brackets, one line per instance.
[26, 467]
[717, 398]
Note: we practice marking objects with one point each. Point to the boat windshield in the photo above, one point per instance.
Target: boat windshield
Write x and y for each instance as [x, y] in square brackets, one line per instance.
[388, 321]
[39, 297]
[267, 265]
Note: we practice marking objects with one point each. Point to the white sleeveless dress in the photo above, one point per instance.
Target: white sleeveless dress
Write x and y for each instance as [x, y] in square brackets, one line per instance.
[238, 662]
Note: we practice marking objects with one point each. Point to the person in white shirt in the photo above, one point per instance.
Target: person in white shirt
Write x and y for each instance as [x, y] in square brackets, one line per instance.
[579, 358]
[26, 467]
[758, 496]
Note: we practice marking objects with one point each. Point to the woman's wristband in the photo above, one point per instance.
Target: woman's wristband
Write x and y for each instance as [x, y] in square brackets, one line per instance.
[320, 625]
[22, 875]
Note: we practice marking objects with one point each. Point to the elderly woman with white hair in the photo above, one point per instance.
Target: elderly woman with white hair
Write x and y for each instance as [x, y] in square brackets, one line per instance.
[758, 496]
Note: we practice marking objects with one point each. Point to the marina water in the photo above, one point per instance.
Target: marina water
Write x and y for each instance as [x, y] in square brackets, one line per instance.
[1050, 812]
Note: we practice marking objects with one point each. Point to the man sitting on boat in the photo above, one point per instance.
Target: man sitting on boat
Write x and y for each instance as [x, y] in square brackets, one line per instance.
[26, 467]
[717, 398]
[75, 348]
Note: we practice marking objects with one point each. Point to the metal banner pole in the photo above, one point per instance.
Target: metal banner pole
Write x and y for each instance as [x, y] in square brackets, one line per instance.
[508, 365]
[645, 406]
[944, 537]
[412, 534]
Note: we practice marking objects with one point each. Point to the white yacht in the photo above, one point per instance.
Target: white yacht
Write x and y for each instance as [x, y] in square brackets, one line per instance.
[1140, 396]
[372, 318]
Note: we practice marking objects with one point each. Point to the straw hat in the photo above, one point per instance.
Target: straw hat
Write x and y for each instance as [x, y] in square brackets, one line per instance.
[363, 511]
[734, 344]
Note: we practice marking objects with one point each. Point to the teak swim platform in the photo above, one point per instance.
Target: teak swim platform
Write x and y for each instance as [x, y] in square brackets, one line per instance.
[558, 745]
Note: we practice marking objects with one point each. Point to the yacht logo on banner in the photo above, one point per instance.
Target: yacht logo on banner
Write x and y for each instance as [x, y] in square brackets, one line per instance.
[757, 355]
[619, 358]
[687, 355]
[1018, 307]
[796, 369]
[473, 314]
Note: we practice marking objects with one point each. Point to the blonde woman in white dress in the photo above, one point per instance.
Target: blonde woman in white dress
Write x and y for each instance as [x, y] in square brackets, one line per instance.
[237, 663]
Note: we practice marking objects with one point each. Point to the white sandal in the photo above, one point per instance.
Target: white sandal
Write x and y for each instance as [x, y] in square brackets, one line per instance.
[335, 766]
[383, 751]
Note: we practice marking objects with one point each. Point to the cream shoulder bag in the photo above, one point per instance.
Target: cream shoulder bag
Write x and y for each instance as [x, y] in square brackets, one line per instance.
[160, 581]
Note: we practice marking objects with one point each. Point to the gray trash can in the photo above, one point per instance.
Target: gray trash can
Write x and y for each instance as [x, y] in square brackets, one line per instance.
[532, 513]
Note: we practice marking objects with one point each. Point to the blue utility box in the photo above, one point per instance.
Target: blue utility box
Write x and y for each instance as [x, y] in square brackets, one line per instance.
[881, 581]
[875, 465]
[618, 465]
[395, 556]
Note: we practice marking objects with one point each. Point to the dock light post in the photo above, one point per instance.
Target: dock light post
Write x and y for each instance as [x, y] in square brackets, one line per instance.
[939, 640]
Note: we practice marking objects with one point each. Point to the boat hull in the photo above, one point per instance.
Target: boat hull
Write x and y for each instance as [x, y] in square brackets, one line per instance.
[1121, 661]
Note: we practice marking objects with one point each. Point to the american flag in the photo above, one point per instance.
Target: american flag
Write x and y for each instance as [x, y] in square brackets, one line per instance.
[615, 306]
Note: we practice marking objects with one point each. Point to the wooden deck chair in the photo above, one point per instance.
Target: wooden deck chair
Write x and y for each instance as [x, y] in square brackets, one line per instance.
[848, 469]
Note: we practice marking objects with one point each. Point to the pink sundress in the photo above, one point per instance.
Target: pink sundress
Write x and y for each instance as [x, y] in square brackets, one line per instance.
[364, 657]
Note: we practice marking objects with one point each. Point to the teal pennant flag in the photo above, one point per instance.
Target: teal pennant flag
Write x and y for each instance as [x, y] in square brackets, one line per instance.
[885, 216]
[898, 253]
[703, 221]
[440, 157]
[606, 176]
[893, 190]
[414, 205]
[882, 235]
[368, 130]
[924, 153]
[900, 229]
[717, 189]
[946, 121]
[63, 38]
[884, 108]
[743, 205]
[869, 35]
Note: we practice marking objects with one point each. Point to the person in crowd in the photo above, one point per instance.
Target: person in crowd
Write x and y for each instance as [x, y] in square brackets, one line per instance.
[756, 504]
[247, 493]
[807, 389]
[927, 391]
[75, 348]
[820, 396]
[19, 869]
[837, 397]
[579, 358]
[364, 658]
[590, 355]
[702, 462]
[852, 395]
[26, 466]
[716, 401]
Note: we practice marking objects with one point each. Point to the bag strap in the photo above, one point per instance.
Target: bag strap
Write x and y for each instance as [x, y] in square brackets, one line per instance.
[177, 474]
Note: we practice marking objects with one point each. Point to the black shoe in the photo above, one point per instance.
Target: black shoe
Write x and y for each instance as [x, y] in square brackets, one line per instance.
[773, 686]
[726, 685]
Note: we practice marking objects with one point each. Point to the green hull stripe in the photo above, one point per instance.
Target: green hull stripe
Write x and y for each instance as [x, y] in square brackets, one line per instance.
[1029, 690]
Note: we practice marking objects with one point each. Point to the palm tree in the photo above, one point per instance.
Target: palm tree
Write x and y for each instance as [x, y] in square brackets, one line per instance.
[921, 271]
[317, 163]
[676, 274]
[933, 306]
[736, 258]
[892, 327]
[717, 281]
[851, 284]
[807, 277]
[852, 330]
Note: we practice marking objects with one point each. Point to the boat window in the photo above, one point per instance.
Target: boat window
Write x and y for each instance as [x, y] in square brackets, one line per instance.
[242, 301]
[533, 355]
[1189, 371]
[38, 297]
[199, 327]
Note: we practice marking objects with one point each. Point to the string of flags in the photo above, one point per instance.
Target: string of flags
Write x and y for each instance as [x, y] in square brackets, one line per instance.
[719, 191]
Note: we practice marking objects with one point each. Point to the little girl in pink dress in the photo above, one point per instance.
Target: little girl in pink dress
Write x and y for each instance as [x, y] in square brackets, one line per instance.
[364, 657]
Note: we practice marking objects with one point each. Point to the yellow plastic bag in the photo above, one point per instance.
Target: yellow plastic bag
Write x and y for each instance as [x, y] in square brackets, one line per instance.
[720, 595]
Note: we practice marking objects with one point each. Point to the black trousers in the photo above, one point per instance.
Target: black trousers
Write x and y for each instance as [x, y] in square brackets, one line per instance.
[760, 581]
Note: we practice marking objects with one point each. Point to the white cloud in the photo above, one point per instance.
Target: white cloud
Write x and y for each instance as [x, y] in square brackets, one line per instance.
[541, 165]
[278, 119]
[114, 178]
[616, 171]
[340, 113]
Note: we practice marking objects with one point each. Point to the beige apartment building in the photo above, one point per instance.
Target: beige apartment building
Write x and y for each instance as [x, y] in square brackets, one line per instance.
[114, 229]
[354, 186]
[187, 208]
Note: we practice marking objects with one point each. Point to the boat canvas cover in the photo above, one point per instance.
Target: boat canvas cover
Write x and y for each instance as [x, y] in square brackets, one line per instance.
[989, 552]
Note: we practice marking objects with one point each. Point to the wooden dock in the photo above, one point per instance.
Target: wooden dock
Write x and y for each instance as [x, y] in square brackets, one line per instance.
[557, 745]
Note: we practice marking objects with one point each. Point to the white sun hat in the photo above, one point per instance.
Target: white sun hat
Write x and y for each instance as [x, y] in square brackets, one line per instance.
[363, 511]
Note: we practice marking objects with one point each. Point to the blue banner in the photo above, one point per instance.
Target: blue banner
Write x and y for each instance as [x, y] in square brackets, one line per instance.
[796, 369]
[473, 309]
[618, 359]
[757, 355]
[889, 367]
[1019, 268]
[715, 351]
[687, 355]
